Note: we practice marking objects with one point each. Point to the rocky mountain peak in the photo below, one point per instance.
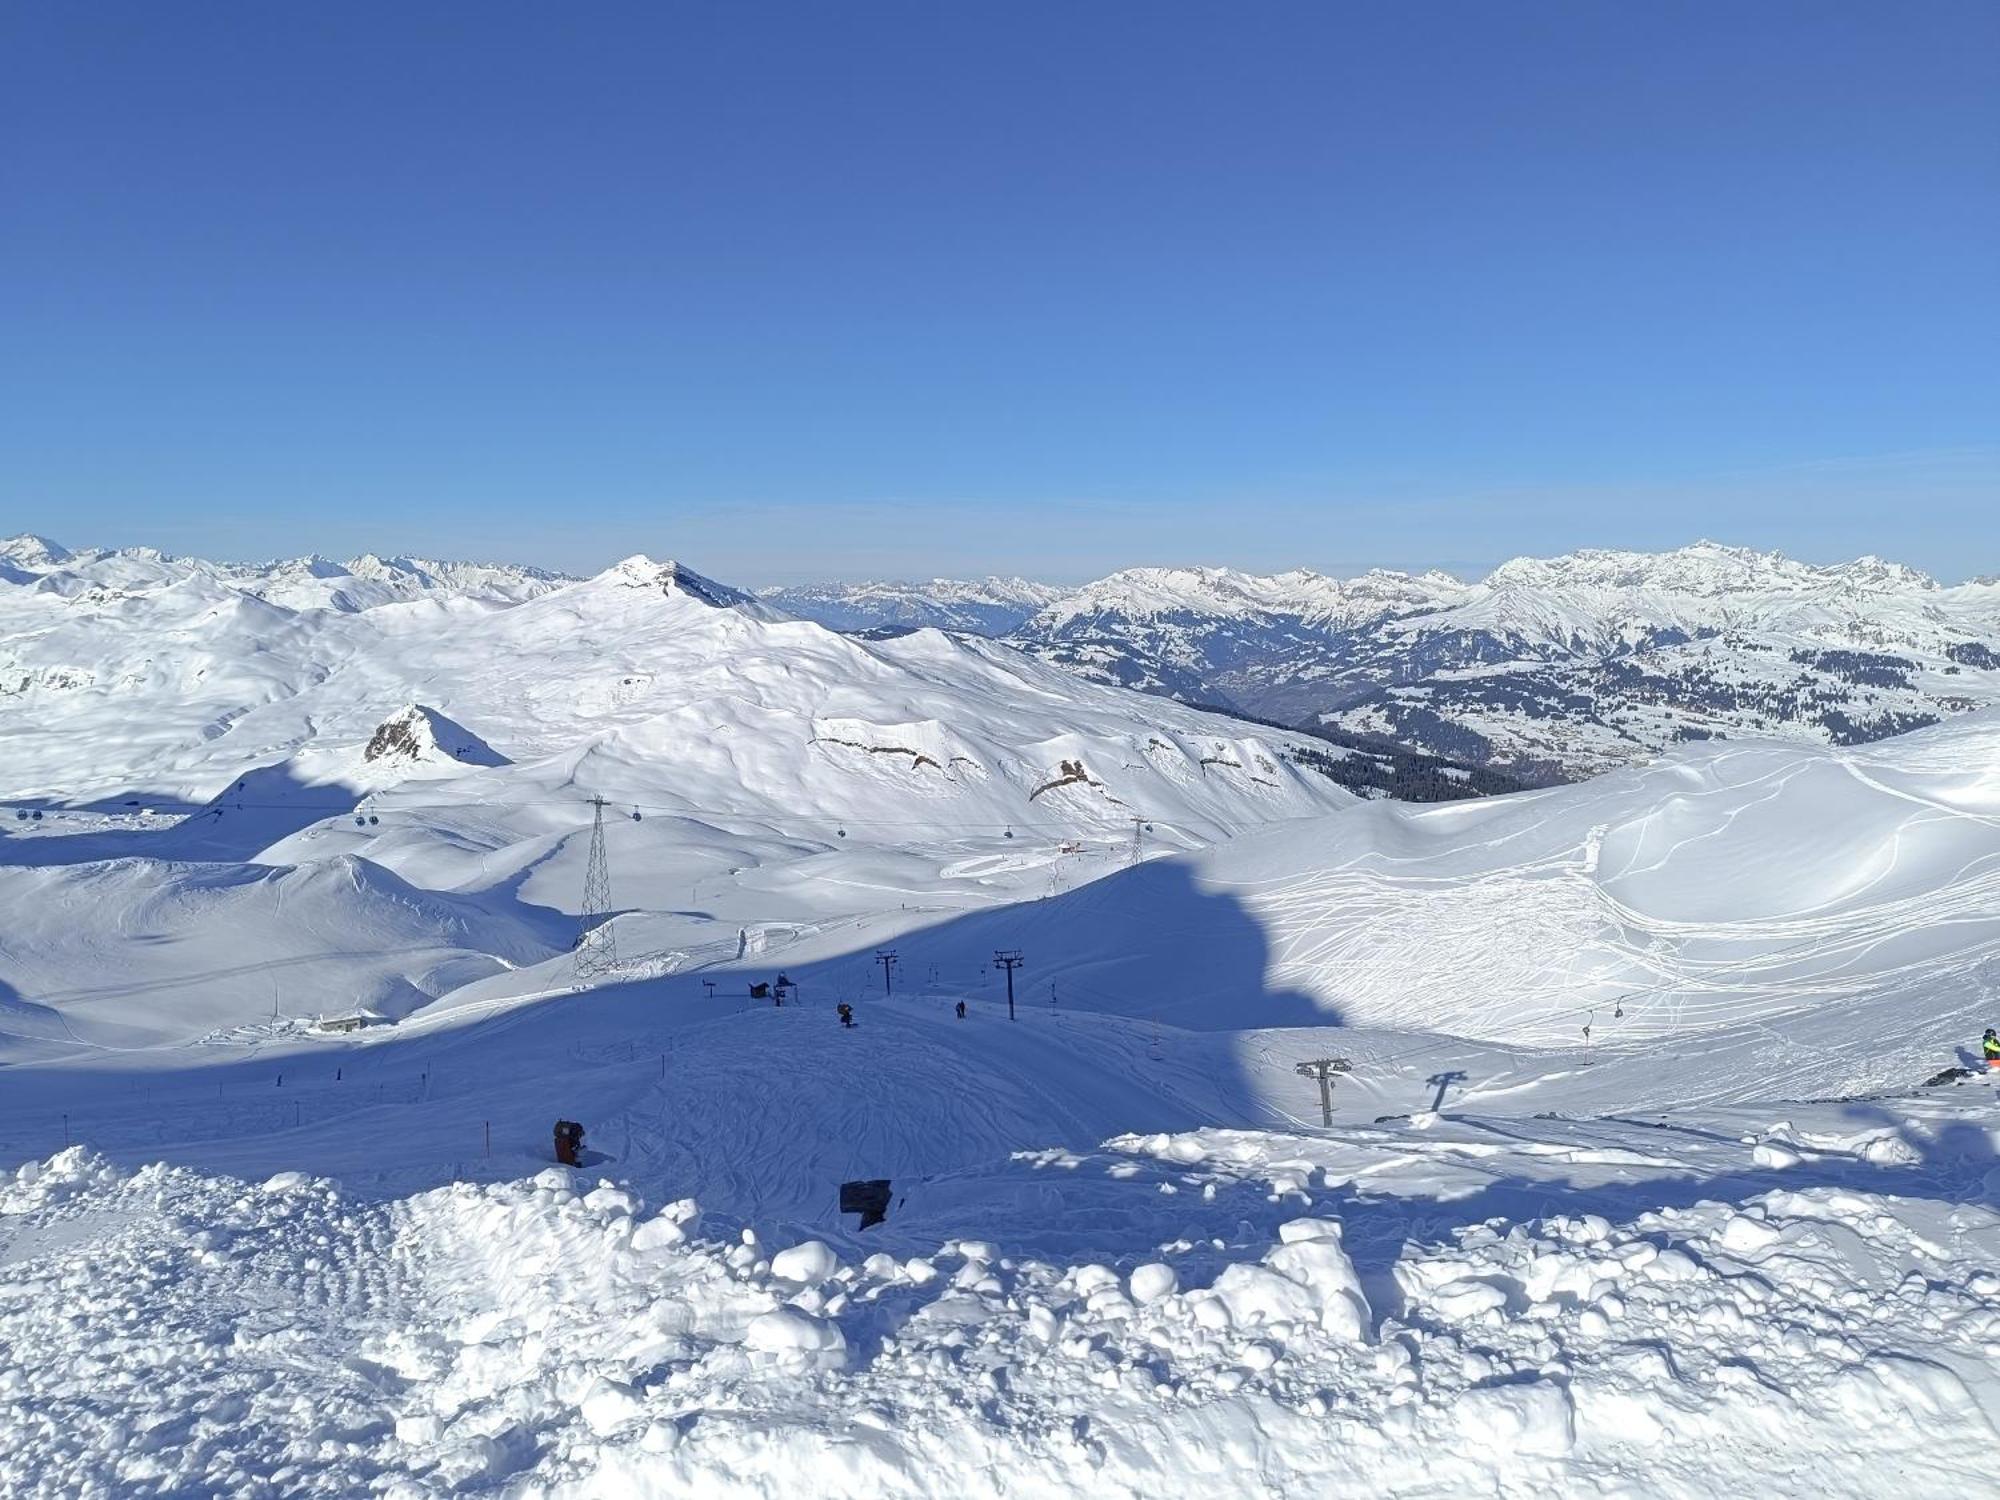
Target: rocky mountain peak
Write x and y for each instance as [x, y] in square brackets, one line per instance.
[671, 579]
[421, 735]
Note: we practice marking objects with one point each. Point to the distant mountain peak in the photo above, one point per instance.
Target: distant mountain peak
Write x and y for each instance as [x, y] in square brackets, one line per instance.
[1879, 573]
[671, 578]
[1704, 569]
[990, 606]
[32, 551]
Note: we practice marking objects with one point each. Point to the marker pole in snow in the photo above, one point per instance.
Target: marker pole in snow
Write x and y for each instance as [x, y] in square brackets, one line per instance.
[1324, 1069]
[1010, 960]
[886, 957]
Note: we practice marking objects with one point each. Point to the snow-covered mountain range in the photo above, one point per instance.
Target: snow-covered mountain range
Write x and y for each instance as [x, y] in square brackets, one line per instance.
[1549, 668]
[1546, 669]
[295, 583]
[129, 675]
[991, 606]
[134, 675]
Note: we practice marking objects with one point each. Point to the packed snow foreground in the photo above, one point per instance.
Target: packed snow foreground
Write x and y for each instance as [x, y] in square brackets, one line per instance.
[1633, 1188]
[1358, 1311]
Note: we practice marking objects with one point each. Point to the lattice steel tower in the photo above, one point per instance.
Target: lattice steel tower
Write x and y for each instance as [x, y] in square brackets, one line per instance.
[596, 944]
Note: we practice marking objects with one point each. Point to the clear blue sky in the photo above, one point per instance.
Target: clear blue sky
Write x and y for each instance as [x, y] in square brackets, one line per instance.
[844, 289]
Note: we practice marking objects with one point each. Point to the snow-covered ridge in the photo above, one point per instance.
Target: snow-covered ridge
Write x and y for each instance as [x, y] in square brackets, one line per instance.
[648, 682]
[310, 582]
[1550, 666]
[1226, 593]
[1604, 584]
[991, 606]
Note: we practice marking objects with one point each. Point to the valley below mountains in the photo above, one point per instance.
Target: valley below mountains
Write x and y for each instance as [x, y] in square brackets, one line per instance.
[1545, 670]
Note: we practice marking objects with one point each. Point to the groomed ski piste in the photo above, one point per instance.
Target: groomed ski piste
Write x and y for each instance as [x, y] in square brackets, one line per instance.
[1634, 1185]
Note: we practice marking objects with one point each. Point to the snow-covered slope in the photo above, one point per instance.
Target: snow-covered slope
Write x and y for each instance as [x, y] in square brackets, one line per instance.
[1116, 1256]
[1551, 667]
[1687, 929]
[991, 606]
[1724, 1241]
[224, 946]
[1846, 901]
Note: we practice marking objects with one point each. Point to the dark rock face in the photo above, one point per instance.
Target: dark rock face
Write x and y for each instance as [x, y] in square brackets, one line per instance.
[421, 734]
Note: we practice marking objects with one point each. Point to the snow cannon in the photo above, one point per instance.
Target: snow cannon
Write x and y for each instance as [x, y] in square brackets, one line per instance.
[869, 1197]
[569, 1143]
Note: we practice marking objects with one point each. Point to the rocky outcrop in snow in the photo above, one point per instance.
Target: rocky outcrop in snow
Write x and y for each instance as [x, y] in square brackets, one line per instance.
[420, 734]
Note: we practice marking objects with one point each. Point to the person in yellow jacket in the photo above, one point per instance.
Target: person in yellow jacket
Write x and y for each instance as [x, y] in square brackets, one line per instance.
[1990, 1045]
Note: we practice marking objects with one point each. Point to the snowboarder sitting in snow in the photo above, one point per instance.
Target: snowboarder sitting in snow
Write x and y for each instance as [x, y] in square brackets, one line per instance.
[1990, 1045]
[846, 1013]
[569, 1142]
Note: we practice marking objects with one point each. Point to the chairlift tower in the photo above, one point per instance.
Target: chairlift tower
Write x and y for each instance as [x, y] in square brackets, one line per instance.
[1010, 960]
[1324, 1069]
[596, 943]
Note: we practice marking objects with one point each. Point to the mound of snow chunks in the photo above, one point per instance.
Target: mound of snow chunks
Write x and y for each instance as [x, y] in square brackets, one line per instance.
[167, 1332]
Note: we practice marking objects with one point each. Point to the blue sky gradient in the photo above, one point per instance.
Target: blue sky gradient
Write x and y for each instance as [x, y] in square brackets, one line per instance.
[811, 290]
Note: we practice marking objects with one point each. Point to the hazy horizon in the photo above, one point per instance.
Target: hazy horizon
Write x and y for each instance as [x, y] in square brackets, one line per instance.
[1050, 577]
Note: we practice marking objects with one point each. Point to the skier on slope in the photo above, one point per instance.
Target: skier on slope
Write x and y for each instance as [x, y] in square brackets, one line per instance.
[1990, 1046]
[961, 1010]
[845, 1012]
